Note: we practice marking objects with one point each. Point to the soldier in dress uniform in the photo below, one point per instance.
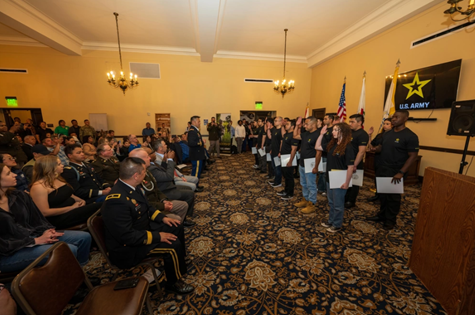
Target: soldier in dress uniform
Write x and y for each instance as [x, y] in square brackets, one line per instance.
[106, 165]
[197, 149]
[80, 175]
[134, 229]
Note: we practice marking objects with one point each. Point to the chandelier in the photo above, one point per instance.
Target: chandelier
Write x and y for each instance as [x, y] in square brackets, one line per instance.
[284, 86]
[456, 9]
[121, 83]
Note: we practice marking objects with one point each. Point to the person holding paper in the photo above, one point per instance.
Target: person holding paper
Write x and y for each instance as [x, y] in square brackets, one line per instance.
[321, 156]
[359, 141]
[267, 141]
[287, 154]
[398, 148]
[261, 153]
[340, 156]
[308, 179]
[275, 134]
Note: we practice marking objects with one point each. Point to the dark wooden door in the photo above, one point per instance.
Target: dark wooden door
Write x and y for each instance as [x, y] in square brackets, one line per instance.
[319, 113]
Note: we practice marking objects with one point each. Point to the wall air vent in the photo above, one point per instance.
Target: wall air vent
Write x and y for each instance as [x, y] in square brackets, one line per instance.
[259, 80]
[6, 70]
[145, 70]
[440, 34]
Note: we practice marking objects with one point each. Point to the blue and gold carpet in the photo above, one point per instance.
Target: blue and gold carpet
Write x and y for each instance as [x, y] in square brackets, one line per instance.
[256, 254]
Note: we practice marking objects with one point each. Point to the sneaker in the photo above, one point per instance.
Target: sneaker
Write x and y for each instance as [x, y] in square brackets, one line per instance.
[324, 193]
[282, 193]
[270, 182]
[287, 197]
[301, 204]
[255, 166]
[326, 224]
[333, 229]
[149, 276]
[275, 186]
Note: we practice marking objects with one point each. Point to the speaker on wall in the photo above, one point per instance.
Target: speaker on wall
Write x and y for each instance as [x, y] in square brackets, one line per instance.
[462, 119]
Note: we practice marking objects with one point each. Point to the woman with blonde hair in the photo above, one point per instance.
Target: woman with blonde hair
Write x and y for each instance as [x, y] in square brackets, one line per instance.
[55, 198]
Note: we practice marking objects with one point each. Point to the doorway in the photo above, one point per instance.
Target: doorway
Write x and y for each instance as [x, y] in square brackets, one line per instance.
[24, 114]
[319, 113]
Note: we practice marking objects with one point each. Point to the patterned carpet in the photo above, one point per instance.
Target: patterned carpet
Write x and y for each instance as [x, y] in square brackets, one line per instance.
[255, 254]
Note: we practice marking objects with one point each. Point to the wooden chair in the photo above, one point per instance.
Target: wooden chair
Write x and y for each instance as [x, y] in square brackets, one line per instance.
[46, 290]
[95, 225]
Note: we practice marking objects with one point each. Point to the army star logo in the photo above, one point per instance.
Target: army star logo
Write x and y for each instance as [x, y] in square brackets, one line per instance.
[416, 86]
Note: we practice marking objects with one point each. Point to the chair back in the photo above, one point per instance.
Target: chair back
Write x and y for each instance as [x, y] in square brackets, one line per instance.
[46, 290]
[95, 224]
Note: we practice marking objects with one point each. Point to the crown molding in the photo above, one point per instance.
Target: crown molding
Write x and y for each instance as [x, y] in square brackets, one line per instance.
[257, 56]
[147, 49]
[20, 41]
[382, 19]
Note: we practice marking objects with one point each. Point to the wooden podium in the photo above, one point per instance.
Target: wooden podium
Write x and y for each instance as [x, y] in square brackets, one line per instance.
[443, 249]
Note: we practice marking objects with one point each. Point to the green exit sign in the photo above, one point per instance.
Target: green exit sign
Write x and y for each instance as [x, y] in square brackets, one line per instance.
[258, 105]
[11, 101]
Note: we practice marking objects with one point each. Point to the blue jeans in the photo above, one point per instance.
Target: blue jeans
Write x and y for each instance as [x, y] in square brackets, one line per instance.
[79, 243]
[308, 181]
[336, 201]
[277, 172]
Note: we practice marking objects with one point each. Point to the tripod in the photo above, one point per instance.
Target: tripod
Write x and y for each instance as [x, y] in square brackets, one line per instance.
[464, 155]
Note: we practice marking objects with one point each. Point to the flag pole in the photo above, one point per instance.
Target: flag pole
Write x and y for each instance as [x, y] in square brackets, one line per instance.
[389, 106]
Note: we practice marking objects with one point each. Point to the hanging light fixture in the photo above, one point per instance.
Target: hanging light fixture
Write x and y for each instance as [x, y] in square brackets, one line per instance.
[284, 86]
[121, 83]
[456, 9]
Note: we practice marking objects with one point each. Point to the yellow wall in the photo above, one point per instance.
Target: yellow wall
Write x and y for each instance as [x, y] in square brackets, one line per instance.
[378, 57]
[67, 87]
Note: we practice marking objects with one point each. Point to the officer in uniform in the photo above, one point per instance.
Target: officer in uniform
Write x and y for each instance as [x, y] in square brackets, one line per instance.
[86, 183]
[134, 229]
[106, 166]
[197, 149]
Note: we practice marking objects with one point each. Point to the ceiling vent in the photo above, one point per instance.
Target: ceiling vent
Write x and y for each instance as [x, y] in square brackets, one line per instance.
[145, 70]
[5, 70]
[259, 80]
[440, 34]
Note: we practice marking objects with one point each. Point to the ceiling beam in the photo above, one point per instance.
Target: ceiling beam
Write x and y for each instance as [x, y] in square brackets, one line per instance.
[206, 17]
[25, 19]
[385, 17]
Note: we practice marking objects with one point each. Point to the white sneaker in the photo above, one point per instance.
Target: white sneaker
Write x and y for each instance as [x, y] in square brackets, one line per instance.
[149, 276]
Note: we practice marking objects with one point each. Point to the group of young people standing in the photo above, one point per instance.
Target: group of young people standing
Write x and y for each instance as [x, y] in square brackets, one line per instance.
[314, 147]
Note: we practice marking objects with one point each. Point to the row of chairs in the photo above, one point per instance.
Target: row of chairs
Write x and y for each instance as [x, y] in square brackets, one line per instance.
[46, 290]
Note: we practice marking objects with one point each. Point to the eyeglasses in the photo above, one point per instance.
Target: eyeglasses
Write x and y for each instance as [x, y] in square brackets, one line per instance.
[10, 158]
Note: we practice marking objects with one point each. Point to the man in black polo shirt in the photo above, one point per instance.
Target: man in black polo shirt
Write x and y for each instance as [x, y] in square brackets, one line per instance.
[307, 152]
[398, 149]
[289, 146]
[275, 134]
[359, 141]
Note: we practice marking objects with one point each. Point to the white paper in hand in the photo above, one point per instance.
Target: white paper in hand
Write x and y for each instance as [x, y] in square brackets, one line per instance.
[297, 156]
[309, 165]
[338, 178]
[286, 158]
[254, 150]
[269, 159]
[262, 152]
[277, 161]
[358, 178]
[322, 166]
[384, 186]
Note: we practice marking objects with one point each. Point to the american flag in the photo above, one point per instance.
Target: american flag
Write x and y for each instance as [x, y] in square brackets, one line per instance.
[342, 106]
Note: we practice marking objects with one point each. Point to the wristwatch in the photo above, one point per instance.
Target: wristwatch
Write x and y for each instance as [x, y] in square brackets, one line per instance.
[401, 172]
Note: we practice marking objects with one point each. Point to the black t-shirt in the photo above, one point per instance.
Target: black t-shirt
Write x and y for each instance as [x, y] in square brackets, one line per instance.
[338, 161]
[43, 132]
[307, 147]
[260, 134]
[275, 141]
[327, 137]
[287, 142]
[359, 138]
[396, 147]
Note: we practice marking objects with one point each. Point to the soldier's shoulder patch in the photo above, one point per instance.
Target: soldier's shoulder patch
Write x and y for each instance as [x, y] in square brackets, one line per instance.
[113, 196]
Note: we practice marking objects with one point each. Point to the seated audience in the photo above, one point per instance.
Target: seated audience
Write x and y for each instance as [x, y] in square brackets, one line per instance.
[82, 178]
[135, 230]
[28, 143]
[54, 197]
[25, 234]
[22, 181]
[106, 166]
[10, 144]
[185, 148]
[43, 132]
[158, 199]
[38, 151]
[55, 147]
[134, 142]
[7, 303]
[89, 148]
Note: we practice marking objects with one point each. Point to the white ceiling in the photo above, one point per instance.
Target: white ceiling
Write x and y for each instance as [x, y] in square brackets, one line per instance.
[212, 28]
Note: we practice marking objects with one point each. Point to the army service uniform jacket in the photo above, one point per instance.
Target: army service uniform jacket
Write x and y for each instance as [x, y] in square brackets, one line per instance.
[107, 169]
[85, 182]
[195, 142]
